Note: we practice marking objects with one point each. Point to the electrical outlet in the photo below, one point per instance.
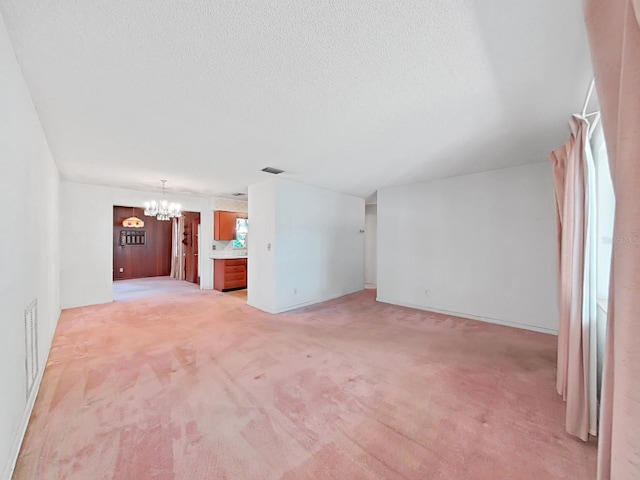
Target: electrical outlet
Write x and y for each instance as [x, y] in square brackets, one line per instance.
[121, 269]
[295, 291]
[426, 292]
[268, 247]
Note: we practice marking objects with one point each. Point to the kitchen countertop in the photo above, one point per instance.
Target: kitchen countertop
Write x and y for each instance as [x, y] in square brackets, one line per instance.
[218, 256]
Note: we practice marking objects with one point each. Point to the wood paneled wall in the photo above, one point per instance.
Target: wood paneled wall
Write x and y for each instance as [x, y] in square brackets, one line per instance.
[153, 259]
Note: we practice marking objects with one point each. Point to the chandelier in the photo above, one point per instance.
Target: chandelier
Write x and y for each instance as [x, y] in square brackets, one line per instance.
[162, 210]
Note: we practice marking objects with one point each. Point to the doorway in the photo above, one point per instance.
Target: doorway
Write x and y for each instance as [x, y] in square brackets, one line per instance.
[370, 245]
[145, 247]
[191, 234]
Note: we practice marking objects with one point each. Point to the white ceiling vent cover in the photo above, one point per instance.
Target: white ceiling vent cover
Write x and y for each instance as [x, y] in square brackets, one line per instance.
[31, 344]
[274, 171]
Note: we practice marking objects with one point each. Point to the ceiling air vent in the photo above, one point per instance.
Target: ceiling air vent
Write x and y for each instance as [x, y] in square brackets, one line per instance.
[275, 171]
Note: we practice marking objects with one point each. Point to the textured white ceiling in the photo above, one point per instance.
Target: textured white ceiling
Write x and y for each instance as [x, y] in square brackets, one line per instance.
[348, 95]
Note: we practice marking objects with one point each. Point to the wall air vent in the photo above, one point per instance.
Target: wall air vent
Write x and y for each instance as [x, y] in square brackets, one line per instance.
[31, 345]
[275, 171]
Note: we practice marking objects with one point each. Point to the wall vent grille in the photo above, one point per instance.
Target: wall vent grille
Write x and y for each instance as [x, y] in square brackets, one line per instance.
[31, 344]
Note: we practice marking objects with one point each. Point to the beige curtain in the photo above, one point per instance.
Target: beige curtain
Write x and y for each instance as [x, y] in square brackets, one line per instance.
[177, 249]
[570, 166]
[613, 28]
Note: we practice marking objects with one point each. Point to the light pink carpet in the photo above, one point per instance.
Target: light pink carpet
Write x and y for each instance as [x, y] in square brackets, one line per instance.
[187, 384]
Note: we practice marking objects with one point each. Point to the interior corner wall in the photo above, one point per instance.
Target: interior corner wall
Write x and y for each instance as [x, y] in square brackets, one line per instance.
[370, 244]
[86, 273]
[481, 246]
[29, 253]
[312, 241]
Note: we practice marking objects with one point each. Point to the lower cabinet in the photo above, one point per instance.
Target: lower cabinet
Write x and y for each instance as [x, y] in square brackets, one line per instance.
[229, 274]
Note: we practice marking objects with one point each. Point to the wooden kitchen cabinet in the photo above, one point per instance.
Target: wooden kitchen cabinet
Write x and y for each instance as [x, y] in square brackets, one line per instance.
[229, 273]
[224, 224]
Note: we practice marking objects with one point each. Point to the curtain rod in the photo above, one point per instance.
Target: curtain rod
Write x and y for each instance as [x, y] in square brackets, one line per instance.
[596, 114]
[587, 99]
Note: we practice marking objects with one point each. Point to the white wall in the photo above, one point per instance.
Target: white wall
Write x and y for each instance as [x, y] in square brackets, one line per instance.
[87, 244]
[29, 255]
[317, 247]
[370, 244]
[481, 246]
[261, 263]
[228, 204]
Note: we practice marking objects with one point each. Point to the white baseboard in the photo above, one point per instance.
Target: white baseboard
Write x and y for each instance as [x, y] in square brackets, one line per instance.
[313, 302]
[22, 430]
[10, 466]
[497, 321]
[305, 304]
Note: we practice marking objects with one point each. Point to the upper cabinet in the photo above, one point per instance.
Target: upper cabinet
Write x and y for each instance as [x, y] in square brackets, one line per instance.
[224, 224]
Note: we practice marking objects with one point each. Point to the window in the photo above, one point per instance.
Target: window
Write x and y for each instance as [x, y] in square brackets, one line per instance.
[242, 230]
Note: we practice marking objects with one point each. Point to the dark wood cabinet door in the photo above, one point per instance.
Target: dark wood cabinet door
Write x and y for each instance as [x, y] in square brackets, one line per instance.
[229, 274]
[224, 225]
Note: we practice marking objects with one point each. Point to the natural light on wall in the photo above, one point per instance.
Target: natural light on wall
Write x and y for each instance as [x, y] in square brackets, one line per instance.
[605, 207]
[605, 210]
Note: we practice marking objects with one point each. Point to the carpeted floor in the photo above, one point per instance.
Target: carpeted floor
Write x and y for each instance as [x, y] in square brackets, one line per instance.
[170, 382]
